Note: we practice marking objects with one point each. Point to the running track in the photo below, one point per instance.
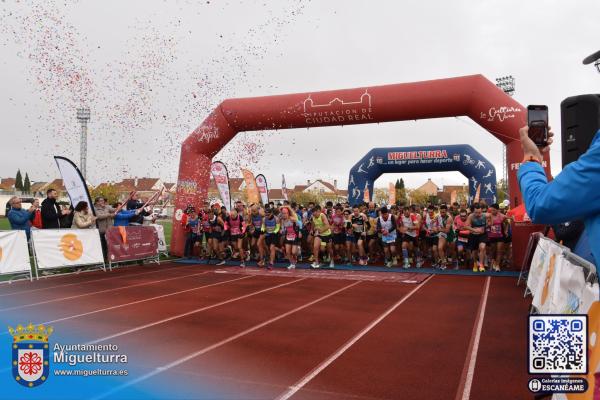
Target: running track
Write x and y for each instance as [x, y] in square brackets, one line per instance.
[293, 335]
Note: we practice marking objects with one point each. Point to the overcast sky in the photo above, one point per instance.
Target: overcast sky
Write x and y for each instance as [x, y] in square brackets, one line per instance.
[152, 70]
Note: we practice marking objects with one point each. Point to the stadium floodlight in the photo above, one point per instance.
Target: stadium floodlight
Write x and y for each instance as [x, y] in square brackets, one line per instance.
[507, 84]
[593, 58]
[83, 116]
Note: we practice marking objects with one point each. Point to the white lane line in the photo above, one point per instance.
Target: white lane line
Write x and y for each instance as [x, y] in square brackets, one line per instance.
[101, 291]
[474, 347]
[311, 375]
[205, 350]
[138, 301]
[93, 280]
[197, 310]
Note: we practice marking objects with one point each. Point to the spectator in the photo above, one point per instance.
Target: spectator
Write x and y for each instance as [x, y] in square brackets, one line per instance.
[104, 220]
[67, 219]
[82, 217]
[52, 213]
[37, 215]
[20, 219]
[123, 217]
[572, 195]
[192, 226]
[134, 204]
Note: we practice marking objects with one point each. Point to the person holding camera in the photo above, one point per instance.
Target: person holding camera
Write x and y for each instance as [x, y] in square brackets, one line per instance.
[19, 218]
[573, 194]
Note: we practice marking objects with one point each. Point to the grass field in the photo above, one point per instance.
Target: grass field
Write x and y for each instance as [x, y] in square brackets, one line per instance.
[168, 227]
[4, 224]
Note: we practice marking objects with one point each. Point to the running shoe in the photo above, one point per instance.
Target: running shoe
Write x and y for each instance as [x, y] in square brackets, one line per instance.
[394, 262]
[442, 266]
[315, 265]
[481, 268]
[222, 262]
[475, 267]
[331, 265]
[419, 264]
[248, 257]
[270, 266]
[243, 264]
[406, 264]
[388, 264]
[291, 266]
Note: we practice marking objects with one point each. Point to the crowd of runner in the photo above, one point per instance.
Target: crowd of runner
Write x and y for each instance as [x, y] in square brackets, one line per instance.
[446, 236]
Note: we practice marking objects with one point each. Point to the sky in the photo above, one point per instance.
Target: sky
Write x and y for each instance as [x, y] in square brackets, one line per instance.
[152, 70]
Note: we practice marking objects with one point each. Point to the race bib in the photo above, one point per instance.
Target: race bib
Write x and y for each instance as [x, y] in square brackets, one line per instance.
[290, 236]
[463, 239]
[389, 238]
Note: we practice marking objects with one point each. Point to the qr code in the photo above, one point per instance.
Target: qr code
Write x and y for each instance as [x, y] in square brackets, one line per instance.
[558, 344]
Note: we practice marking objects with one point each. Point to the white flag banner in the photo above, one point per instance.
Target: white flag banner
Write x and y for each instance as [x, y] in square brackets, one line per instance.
[14, 253]
[549, 282]
[56, 248]
[162, 243]
[74, 182]
[569, 291]
[263, 190]
[221, 177]
[283, 187]
[590, 295]
[540, 261]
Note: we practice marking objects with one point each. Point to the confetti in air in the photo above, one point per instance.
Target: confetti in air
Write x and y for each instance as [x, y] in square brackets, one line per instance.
[148, 92]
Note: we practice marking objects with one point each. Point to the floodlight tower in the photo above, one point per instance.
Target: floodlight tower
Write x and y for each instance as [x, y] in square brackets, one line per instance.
[83, 116]
[507, 84]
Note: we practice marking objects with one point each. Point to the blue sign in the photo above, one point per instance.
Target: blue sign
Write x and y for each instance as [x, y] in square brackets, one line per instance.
[460, 157]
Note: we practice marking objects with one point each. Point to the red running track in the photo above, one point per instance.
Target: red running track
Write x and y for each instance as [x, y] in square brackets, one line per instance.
[256, 336]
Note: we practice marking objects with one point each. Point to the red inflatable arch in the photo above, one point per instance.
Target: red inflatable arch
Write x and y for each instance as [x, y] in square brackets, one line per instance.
[472, 96]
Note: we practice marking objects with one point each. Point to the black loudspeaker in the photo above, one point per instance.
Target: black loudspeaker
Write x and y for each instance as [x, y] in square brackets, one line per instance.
[580, 120]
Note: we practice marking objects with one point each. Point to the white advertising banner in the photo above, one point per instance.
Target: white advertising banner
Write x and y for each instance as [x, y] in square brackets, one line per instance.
[66, 247]
[263, 190]
[221, 177]
[14, 253]
[549, 281]
[162, 243]
[569, 291]
[540, 262]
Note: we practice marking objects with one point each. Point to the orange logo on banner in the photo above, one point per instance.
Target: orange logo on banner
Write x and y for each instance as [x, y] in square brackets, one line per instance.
[71, 247]
[549, 276]
[251, 189]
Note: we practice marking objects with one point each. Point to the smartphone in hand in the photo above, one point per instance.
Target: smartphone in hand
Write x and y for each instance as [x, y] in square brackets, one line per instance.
[537, 120]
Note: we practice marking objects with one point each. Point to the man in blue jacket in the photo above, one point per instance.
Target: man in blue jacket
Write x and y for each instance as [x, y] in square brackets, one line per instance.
[573, 194]
[20, 219]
